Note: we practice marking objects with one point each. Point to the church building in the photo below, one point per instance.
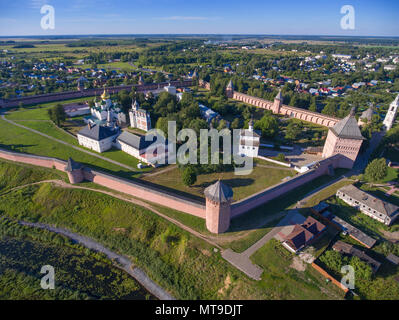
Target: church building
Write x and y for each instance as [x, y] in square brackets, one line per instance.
[103, 108]
[249, 141]
[139, 118]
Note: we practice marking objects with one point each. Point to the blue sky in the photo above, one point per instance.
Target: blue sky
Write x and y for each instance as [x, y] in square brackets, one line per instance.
[306, 17]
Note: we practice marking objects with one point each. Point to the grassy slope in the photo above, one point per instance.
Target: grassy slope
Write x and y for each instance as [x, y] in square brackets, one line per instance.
[12, 175]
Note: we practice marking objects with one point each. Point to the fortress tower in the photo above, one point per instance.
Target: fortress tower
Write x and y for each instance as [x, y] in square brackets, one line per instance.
[74, 171]
[278, 101]
[390, 116]
[346, 139]
[218, 200]
[230, 90]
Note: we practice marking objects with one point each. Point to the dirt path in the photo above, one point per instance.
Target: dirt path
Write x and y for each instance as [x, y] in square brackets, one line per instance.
[123, 261]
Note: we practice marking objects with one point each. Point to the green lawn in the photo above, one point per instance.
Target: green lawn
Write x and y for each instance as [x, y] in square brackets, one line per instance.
[21, 140]
[243, 186]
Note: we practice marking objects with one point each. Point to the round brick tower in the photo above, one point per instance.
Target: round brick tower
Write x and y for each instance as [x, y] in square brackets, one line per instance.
[218, 207]
[74, 171]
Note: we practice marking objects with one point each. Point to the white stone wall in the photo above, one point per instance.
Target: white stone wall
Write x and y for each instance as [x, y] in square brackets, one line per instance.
[99, 146]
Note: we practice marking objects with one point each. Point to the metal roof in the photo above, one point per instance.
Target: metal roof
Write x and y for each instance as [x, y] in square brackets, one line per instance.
[369, 200]
[72, 165]
[98, 132]
[133, 140]
[348, 128]
[219, 192]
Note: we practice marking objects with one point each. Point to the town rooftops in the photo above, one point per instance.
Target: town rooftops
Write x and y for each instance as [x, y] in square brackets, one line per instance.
[370, 201]
[98, 132]
[72, 165]
[219, 192]
[348, 128]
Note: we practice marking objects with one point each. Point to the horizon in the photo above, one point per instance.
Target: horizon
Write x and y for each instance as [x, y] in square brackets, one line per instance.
[22, 18]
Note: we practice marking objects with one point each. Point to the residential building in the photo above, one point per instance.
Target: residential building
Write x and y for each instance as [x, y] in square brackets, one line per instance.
[303, 234]
[350, 250]
[368, 204]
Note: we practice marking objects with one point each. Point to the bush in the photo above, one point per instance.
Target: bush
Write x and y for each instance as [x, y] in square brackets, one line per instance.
[189, 176]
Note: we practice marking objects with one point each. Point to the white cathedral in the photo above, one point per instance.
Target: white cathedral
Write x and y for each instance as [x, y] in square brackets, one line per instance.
[105, 110]
[390, 116]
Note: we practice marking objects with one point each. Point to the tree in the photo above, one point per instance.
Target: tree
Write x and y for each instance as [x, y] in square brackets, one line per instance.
[189, 176]
[330, 108]
[376, 170]
[268, 124]
[293, 130]
[236, 123]
[57, 114]
[313, 105]
[280, 157]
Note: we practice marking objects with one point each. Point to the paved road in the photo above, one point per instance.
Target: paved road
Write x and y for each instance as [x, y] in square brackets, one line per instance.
[242, 260]
[69, 145]
[125, 263]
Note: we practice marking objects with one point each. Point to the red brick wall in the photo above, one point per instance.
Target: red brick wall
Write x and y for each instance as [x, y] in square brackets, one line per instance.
[276, 191]
[326, 275]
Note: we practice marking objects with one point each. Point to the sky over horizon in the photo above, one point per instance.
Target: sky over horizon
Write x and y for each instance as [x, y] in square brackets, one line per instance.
[288, 17]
